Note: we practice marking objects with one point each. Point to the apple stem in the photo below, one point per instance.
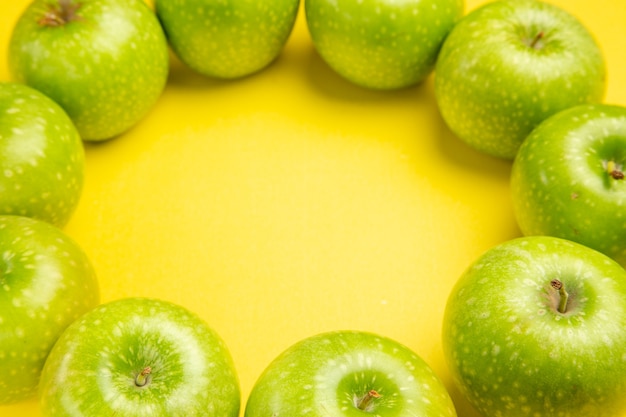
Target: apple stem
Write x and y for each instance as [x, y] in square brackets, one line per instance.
[614, 171]
[563, 295]
[142, 379]
[364, 403]
[535, 42]
[61, 14]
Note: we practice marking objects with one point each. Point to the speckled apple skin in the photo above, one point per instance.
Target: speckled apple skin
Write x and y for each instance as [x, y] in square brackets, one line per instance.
[320, 376]
[512, 354]
[92, 368]
[46, 282]
[227, 38]
[560, 182]
[381, 44]
[41, 156]
[492, 88]
[107, 69]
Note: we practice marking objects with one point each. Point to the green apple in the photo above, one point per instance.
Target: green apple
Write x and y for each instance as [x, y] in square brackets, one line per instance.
[227, 38]
[568, 178]
[349, 373]
[508, 65]
[537, 327]
[139, 357]
[41, 156]
[381, 44]
[46, 282]
[104, 61]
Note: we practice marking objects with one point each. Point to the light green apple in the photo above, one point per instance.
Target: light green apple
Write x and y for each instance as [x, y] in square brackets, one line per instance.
[568, 178]
[349, 374]
[536, 326]
[139, 357]
[46, 282]
[510, 64]
[381, 44]
[104, 61]
[42, 158]
[227, 38]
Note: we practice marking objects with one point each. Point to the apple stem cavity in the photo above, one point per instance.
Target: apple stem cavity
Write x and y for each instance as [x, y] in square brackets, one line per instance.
[60, 14]
[143, 378]
[365, 403]
[563, 295]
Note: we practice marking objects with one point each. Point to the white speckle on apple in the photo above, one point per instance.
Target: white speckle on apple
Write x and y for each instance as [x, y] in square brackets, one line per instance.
[19, 332]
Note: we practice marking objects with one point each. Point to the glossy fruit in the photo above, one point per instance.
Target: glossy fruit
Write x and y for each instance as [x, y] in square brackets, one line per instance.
[349, 373]
[139, 357]
[568, 179]
[510, 64]
[381, 44]
[104, 61]
[41, 156]
[46, 282]
[537, 327]
[228, 38]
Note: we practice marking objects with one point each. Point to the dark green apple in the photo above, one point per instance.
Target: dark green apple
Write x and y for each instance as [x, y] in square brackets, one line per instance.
[510, 64]
[381, 44]
[227, 38]
[104, 61]
[568, 178]
[349, 374]
[46, 282]
[41, 156]
[537, 327]
[139, 357]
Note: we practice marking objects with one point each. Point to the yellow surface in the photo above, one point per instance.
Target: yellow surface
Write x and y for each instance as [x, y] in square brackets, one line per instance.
[291, 202]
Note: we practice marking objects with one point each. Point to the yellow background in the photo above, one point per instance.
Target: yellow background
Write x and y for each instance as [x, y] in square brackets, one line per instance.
[291, 202]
